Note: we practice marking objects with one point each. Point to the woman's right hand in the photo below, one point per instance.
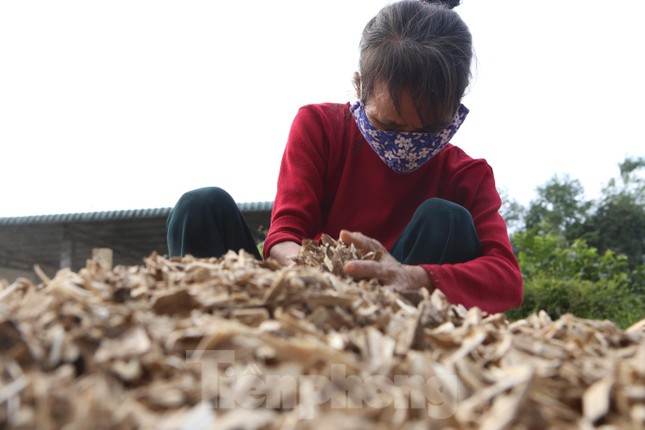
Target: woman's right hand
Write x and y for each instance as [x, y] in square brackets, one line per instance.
[284, 252]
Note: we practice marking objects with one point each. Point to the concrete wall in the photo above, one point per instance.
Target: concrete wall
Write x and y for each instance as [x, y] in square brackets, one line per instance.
[11, 275]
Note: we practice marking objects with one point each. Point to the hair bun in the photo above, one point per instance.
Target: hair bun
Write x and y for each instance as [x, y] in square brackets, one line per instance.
[450, 4]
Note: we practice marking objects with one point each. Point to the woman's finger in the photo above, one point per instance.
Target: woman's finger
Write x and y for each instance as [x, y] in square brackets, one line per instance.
[360, 241]
[364, 269]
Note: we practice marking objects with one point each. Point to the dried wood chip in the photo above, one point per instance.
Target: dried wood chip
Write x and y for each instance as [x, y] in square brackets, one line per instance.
[178, 302]
[132, 343]
[596, 399]
[252, 317]
[129, 347]
[330, 299]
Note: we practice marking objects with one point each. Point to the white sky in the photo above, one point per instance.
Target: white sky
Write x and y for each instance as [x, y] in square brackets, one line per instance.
[126, 104]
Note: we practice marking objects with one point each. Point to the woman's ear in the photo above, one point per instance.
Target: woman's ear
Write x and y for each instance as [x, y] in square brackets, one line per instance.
[357, 84]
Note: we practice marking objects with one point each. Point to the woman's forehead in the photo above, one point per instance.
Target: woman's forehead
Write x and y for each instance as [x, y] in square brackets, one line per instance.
[382, 106]
[381, 100]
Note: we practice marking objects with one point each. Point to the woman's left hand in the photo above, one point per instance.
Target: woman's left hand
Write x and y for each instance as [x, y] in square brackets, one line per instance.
[388, 270]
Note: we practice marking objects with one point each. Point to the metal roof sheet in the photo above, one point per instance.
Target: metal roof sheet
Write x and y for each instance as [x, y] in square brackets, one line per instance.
[115, 215]
[132, 235]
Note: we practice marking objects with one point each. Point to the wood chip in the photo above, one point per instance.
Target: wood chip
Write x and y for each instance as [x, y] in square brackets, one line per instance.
[596, 399]
[136, 347]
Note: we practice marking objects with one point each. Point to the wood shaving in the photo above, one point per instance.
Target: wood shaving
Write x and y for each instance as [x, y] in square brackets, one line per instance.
[234, 342]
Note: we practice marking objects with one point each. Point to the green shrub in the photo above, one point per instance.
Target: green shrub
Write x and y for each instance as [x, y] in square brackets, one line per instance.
[609, 299]
[574, 278]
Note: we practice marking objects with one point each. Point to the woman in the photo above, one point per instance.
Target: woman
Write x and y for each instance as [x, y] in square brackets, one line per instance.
[381, 174]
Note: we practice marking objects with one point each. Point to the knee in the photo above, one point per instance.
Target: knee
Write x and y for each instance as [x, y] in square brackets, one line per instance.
[204, 198]
[436, 207]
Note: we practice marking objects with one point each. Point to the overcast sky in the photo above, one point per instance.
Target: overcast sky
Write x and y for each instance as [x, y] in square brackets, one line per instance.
[109, 105]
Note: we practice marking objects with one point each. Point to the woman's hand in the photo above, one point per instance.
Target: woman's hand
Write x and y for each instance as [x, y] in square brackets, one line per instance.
[284, 252]
[400, 276]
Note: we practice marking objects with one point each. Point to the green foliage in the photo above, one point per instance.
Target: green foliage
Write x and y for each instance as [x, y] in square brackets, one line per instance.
[632, 183]
[608, 299]
[618, 222]
[554, 256]
[584, 257]
[559, 208]
[575, 278]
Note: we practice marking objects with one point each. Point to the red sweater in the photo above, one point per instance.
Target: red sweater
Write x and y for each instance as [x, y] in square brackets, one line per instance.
[330, 179]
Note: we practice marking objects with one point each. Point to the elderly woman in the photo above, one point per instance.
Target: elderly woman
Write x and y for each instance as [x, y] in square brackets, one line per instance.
[381, 173]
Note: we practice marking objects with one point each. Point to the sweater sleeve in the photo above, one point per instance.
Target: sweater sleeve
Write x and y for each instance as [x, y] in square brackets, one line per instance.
[296, 210]
[492, 282]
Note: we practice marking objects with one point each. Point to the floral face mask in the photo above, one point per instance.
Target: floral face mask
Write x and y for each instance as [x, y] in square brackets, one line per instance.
[405, 152]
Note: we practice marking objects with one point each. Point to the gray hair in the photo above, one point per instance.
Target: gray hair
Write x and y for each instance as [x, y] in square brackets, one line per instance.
[418, 46]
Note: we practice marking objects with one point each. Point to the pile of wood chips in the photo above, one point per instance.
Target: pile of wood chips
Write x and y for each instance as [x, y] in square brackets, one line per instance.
[236, 343]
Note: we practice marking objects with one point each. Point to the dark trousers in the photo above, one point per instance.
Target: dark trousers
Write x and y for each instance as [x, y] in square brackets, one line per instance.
[440, 232]
[207, 223]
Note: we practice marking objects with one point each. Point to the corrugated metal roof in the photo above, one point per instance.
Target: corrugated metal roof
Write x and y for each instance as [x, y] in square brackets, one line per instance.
[131, 234]
[114, 215]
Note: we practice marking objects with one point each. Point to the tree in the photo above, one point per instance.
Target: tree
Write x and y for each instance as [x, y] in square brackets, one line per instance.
[618, 221]
[559, 209]
[584, 257]
[512, 212]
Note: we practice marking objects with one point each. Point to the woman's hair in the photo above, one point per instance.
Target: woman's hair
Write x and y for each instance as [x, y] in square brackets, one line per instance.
[421, 46]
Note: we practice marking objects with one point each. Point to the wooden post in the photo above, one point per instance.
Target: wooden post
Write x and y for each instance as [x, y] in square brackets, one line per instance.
[67, 249]
[102, 257]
